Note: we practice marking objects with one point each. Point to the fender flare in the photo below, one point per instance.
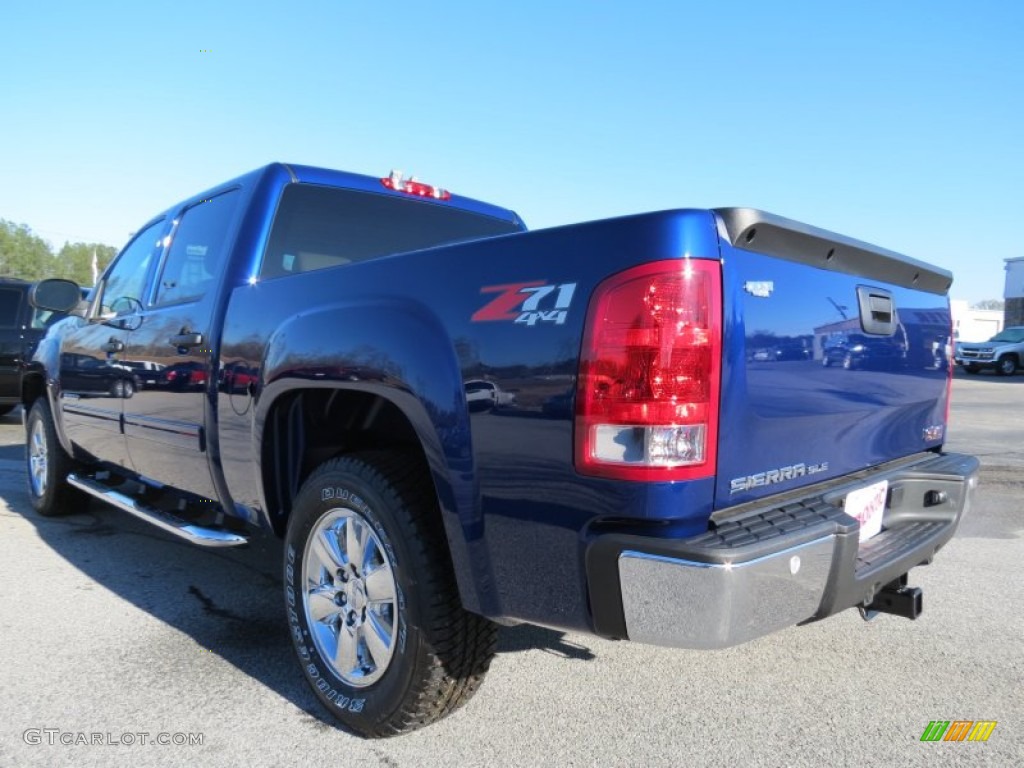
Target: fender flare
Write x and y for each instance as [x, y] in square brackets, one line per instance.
[400, 351]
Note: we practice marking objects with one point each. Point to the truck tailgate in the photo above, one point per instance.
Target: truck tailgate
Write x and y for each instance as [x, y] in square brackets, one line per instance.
[836, 356]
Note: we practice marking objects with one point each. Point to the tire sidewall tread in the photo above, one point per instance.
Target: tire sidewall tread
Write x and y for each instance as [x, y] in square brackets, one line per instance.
[428, 675]
[59, 498]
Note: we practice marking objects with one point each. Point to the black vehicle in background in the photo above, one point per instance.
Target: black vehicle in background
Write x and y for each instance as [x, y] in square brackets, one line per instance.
[21, 328]
[853, 350]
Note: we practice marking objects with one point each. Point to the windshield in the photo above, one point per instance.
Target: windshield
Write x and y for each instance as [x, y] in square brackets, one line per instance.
[1011, 335]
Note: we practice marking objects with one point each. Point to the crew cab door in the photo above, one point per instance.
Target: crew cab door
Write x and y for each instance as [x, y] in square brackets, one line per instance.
[165, 422]
[92, 379]
[12, 343]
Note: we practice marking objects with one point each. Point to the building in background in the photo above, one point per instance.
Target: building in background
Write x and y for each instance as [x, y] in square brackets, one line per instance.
[974, 324]
[1014, 292]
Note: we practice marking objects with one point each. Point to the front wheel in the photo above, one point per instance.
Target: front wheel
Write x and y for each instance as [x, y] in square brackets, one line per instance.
[48, 465]
[1007, 365]
[372, 603]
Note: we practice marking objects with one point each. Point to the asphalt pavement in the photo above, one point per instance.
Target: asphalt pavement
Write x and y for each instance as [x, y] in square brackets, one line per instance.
[114, 636]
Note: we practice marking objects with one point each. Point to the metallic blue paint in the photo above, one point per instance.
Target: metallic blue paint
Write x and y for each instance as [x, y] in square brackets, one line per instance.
[778, 392]
[518, 517]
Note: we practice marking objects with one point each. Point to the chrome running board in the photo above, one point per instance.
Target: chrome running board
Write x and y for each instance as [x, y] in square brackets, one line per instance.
[203, 537]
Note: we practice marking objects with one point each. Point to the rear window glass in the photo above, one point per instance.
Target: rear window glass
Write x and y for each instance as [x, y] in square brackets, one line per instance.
[318, 227]
[10, 303]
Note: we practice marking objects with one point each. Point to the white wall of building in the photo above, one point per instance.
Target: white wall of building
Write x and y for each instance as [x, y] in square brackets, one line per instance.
[974, 324]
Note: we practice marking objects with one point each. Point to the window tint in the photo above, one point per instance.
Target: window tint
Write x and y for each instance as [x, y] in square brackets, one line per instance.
[197, 250]
[125, 281]
[44, 318]
[318, 227]
[10, 303]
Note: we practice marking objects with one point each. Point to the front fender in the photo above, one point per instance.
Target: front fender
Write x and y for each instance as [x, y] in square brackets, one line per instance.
[44, 368]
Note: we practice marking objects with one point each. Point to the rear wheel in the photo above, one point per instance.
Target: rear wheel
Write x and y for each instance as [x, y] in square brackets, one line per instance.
[1007, 365]
[372, 603]
[48, 465]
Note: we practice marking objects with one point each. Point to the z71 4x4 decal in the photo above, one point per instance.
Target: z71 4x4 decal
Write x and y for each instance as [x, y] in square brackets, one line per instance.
[527, 303]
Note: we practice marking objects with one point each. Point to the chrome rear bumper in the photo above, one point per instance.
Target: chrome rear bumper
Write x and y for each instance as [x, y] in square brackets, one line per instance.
[780, 565]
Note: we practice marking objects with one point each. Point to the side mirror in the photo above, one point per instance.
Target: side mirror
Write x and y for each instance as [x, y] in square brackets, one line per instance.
[55, 294]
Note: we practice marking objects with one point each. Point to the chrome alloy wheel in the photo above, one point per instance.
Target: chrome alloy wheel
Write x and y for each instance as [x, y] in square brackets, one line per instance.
[38, 457]
[349, 595]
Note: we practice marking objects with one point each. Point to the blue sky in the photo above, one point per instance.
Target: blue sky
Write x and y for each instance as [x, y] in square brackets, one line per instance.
[896, 123]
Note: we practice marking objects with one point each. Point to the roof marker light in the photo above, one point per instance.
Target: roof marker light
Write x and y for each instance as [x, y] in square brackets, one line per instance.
[413, 187]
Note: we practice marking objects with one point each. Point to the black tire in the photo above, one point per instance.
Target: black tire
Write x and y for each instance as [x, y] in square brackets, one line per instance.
[48, 466]
[128, 389]
[5, 409]
[439, 652]
[1006, 365]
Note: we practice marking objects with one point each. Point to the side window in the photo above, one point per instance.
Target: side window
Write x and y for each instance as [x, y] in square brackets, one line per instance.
[44, 318]
[125, 281]
[10, 303]
[197, 250]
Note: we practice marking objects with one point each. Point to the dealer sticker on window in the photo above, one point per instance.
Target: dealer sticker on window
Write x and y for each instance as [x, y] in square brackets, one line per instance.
[867, 506]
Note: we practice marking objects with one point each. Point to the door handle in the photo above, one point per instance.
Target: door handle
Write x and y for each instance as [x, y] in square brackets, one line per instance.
[186, 340]
[113, 345]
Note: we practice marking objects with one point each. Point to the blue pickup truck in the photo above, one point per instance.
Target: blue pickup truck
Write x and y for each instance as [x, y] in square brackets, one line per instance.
[622, 427]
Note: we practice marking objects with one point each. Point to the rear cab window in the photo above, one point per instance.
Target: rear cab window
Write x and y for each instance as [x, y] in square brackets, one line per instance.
[318, 227]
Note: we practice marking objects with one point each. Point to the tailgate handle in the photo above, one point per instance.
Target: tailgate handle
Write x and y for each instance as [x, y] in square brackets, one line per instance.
[877, 311]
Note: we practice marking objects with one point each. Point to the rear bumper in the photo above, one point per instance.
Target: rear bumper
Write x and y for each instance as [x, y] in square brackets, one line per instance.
[775, 566]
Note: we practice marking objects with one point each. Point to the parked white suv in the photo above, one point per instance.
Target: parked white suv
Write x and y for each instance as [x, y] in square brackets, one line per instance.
[1004, 352]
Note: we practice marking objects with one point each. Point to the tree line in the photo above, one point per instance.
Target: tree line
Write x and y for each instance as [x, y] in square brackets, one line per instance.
[25, 255]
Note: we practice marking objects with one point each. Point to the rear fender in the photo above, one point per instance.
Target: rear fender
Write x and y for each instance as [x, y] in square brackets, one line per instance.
[400, 351]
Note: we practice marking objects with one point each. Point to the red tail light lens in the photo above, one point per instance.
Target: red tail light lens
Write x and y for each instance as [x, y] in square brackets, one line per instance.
[947, 355]
[647, 398]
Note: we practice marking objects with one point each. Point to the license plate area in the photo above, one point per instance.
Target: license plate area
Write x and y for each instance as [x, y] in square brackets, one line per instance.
[867, 506]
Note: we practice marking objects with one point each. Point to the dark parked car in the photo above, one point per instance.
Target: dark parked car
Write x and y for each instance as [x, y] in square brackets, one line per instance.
[94, 376]
[854, 350]
[188, 375]
[21, 328]
[148, 374]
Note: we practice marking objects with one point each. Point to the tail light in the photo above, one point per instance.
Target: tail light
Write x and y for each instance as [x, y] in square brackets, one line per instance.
[647, 397]
[948, 354]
